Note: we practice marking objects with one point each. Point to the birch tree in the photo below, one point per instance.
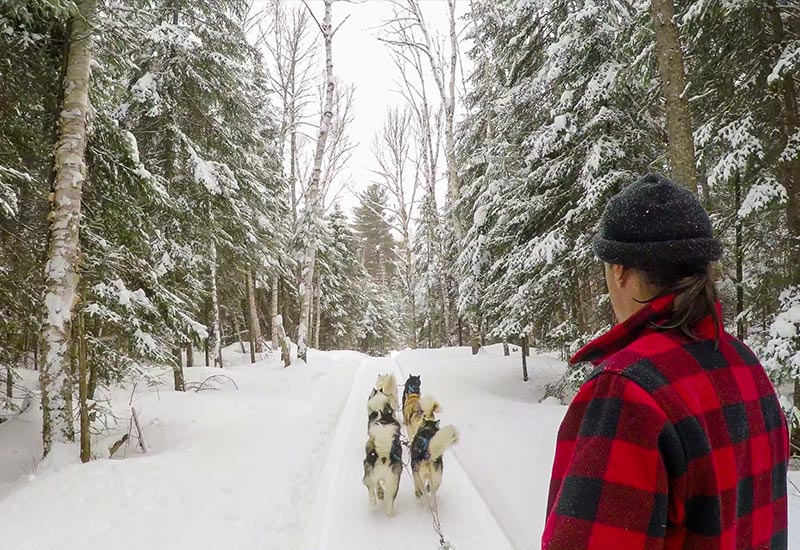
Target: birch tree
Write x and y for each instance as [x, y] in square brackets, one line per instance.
[443, 68]
[252, 318]
[312, 203]
[427, 133]
[62, 268]
[392, 149]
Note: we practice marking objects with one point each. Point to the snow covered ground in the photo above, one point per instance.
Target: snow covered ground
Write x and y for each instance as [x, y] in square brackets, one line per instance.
[276, 464]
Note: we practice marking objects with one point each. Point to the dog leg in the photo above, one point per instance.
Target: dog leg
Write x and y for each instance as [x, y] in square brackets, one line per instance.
[435, 479]
[379, 489]
[418, 486]
[391, 488]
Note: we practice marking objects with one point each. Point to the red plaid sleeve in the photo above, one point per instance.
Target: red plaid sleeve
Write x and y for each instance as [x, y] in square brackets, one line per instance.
[609, 486]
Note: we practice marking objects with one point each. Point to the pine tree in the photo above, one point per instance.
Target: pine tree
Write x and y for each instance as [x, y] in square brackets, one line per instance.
[342, 282]
[373, 227]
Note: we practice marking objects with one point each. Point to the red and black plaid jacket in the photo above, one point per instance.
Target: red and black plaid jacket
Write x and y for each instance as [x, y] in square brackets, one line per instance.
[671, 443]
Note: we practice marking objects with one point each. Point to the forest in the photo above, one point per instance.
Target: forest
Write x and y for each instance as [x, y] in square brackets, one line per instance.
[171, 175]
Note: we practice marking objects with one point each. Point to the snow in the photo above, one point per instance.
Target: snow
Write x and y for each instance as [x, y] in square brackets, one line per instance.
[761, 195]
[787, 62]
[277, 463]
[479, 218]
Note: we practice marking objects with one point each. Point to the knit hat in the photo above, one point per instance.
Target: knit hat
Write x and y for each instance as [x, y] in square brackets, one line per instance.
[654, 222]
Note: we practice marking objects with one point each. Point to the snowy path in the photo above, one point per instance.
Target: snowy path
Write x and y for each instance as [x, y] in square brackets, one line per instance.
[342, 518]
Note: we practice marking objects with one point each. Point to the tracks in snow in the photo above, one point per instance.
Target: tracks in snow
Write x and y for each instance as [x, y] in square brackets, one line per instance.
[341, 517]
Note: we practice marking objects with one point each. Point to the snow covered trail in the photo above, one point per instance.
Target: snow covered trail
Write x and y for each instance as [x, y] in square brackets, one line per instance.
[227, 469]
[342, 518]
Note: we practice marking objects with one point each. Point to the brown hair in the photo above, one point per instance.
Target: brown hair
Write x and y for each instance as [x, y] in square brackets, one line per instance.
[696, 295]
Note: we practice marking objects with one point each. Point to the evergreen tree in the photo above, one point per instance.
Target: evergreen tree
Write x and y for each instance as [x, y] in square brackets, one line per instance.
[342, 282]
[373, 227]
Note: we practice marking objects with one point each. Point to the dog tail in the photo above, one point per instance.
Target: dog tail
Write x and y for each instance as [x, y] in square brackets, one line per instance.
[429, 406]
[383, 436]
[441, 441]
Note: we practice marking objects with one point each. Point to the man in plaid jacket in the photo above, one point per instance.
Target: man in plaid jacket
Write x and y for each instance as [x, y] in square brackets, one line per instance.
[677, 439]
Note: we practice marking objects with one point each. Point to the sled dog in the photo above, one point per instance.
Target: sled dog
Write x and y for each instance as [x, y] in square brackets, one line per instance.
[427, 448]
[385, 385]
[412, 409]
[424, 408]
[383, 463]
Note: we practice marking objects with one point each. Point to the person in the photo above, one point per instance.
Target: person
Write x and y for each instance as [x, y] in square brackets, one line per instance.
[677, 439]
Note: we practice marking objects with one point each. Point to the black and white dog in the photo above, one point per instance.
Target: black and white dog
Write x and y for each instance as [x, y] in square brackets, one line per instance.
[383, 464]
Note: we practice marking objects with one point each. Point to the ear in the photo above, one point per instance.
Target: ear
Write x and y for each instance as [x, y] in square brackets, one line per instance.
[621, 274]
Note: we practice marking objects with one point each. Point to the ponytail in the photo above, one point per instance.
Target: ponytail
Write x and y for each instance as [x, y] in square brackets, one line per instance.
[695, 295]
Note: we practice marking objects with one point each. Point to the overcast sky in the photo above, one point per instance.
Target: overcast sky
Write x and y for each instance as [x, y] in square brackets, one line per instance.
[361, 59]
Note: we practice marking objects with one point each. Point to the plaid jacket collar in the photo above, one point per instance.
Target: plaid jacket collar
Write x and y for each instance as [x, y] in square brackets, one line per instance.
[637, 325]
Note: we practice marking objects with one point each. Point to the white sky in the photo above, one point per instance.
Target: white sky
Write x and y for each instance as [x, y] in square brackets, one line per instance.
[361, 59]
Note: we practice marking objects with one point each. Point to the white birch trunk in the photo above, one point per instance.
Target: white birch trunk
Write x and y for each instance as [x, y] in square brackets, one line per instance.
[216, 330]
[449, 100]
[283, 341]
[317, 313]
[312, 193]
[61, 269]
[274, 312]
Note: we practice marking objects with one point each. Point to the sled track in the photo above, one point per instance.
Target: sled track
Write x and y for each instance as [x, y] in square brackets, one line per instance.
[340, 515]
[456, 470]
[324, 495]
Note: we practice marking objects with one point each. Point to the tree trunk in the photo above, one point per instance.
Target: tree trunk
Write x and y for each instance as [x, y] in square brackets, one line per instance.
[283, 341]
[189, 354]
[474, 334]
[61, 271]
[739, 258]
[177, 370]
[238, 328]
[312, 193]
[673, 86]
[505, 347]
[86, 436]
[317, 313]
[445, 310]
[449, 101]
[293, 160]
[524, 350]
[9, 383]
[255, 329]
[216, 328]
[274, 311]
[92, 384]
[789, 176]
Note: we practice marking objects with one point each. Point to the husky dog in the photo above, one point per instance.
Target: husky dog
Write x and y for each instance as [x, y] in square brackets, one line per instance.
[417, 411]
[378, 401]
[383, 463]
[427, 449]
[383, 416]
[385, 385]
[412, 411]
[413, 386]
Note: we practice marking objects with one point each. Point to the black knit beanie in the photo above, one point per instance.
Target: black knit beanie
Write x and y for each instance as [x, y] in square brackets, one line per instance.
[655, 222]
